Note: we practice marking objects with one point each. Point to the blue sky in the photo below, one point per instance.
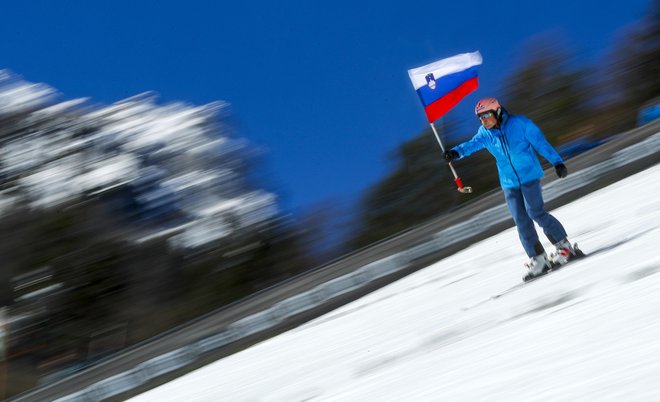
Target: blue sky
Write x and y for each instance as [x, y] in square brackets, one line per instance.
[322, 88]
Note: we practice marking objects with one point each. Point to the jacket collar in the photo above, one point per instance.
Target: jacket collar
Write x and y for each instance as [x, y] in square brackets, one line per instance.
[505, 117]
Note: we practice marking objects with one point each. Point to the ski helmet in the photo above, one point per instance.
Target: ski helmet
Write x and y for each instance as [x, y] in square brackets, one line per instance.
[485, 105]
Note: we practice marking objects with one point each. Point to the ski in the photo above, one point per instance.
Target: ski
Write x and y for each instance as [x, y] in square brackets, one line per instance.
[579, 254]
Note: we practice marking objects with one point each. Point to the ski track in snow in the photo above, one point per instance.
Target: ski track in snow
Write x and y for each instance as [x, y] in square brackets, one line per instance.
[590, 331]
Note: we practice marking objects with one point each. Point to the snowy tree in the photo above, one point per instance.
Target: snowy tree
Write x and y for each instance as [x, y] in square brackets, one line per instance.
[131, 217]
[174, 164]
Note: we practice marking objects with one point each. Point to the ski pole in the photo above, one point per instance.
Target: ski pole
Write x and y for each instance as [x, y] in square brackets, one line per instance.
[457, 179]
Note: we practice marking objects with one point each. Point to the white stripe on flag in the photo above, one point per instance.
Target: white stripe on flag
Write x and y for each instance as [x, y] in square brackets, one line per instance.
[444, 67]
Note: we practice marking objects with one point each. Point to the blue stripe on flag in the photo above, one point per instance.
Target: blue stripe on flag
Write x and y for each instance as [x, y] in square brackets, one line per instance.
[444, 85]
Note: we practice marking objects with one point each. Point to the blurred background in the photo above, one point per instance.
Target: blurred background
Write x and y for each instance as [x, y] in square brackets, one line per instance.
[121, 220]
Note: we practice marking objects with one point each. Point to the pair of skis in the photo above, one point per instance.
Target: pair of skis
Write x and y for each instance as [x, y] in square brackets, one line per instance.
[579, 254]
[554, 267]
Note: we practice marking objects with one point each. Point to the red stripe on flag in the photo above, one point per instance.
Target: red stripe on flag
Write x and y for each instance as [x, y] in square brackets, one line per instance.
[439, 108]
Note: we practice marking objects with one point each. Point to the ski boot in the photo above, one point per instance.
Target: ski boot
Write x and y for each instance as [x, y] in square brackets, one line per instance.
[537, 266]
[564, 253]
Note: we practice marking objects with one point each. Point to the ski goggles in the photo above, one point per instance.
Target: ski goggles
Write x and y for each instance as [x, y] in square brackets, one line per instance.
[486, 115]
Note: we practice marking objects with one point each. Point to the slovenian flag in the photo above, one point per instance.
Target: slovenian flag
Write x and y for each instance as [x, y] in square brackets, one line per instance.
[442, 84]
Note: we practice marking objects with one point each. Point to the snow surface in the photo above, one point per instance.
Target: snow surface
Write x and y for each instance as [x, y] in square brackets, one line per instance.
[588, 332]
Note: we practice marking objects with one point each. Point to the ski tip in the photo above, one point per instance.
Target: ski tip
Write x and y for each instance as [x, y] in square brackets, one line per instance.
[578, 252]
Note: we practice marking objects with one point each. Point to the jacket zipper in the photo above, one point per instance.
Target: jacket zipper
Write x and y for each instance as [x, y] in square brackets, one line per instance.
[505, 146]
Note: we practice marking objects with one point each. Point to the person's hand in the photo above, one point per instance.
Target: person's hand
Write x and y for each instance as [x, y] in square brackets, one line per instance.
[561, 170]
[450, 155]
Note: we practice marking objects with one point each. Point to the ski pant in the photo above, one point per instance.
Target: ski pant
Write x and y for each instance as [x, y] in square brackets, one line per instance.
[526, 206]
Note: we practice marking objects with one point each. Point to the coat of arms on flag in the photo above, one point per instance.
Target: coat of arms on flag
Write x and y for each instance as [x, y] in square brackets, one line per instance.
[430, 80]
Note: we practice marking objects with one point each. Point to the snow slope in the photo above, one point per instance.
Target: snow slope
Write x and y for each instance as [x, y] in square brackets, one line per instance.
[588, 332]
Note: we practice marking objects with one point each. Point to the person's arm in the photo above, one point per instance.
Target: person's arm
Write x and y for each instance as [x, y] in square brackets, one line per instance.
[469, 147]
[535, 137]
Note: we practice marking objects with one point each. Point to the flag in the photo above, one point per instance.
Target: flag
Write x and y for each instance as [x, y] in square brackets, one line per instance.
[442, 84]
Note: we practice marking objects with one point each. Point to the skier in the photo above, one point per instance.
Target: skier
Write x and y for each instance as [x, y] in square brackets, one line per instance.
[512, 140]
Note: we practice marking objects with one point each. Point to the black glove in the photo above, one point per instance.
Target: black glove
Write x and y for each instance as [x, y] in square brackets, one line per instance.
[561, 170]
[450, 155]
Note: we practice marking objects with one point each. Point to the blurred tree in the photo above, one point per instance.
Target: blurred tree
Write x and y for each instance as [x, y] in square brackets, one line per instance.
[633, 73]
[325, 226]
[134, 218]
[548, 89]
[420, 187]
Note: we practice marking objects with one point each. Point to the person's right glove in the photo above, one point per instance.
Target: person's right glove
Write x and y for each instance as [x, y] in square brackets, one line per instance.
[450, 155]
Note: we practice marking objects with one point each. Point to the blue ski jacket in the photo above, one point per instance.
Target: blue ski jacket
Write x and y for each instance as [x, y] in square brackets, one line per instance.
[513, 146]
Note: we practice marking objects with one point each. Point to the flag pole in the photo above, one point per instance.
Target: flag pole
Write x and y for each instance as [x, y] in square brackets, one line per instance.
[457, 179]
